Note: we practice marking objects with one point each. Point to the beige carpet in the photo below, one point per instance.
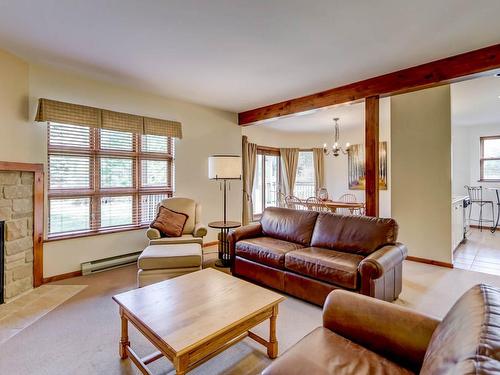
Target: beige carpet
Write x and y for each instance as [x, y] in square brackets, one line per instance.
[31, 306]
[81, 335]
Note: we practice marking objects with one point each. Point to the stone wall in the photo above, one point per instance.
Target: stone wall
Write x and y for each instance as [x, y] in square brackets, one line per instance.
[16, 208]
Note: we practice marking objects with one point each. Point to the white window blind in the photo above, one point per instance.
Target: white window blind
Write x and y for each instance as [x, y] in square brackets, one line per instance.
[101, 180]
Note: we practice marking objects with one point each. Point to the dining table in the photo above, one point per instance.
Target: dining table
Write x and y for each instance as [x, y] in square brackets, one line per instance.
[334, 205]
[496, 190]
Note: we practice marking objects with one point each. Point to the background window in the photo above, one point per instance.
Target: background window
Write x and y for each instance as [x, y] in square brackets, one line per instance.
[490, 158]
[102, 179]
[266, 182]
[304, 181]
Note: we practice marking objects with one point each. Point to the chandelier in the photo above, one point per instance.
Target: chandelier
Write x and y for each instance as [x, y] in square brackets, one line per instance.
[336, 149]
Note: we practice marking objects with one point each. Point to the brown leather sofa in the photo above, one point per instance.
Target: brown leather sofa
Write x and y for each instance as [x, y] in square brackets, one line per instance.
[308, 254]
[362, 335]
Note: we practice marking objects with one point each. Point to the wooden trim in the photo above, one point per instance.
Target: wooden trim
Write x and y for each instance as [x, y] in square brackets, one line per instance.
[22, 167]
[451, 69]
[68, 236]
[266, 150]
[429, 261]
[63, 276]
[482, 158]
[372, 156]
[212, 243]
[38, 213]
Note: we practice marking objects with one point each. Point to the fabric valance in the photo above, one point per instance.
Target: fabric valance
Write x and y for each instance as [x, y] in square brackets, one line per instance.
[76, 114]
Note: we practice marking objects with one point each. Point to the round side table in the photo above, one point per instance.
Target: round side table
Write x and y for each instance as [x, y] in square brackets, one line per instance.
[224, 255]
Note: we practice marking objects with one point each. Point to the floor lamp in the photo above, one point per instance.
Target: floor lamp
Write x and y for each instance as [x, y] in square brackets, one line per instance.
[224, 168]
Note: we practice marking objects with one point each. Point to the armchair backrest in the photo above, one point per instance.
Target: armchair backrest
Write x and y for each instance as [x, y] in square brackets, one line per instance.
[186, 206]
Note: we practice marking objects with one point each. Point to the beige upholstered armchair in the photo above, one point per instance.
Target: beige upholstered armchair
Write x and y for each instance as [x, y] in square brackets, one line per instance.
[193, 231]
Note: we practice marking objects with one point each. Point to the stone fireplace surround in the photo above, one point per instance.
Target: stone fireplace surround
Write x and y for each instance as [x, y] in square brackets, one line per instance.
[21, 207]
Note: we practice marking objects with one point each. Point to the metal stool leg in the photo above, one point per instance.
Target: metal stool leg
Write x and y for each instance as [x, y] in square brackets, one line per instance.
[481, 217]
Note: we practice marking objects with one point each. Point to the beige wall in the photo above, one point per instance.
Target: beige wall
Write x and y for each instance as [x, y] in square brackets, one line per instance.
[336, 171]
[206, 131]
[20, 141]
[421, 171]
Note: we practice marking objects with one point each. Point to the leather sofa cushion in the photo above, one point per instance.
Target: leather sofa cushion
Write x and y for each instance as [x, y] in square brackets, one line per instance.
[323, 264]
[353, 234]
[467, 341]
[322, 352]
[288, 225]
[265, 250]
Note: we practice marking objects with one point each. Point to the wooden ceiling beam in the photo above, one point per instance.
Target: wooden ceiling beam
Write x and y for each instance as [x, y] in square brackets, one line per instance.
[451, 69]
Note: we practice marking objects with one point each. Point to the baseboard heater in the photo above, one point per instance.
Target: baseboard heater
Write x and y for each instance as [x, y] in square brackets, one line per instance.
[109, 263]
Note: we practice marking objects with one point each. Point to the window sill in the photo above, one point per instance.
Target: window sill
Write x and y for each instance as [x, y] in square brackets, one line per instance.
[482, 180]
[69, 236]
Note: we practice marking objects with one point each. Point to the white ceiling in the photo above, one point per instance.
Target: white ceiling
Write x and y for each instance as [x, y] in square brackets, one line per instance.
[320, 120]
[476, 102]
[240, 54]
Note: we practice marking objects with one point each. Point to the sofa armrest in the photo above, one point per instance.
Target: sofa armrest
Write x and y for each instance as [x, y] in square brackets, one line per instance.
[385, 258]
[200, 230]
[382, 272]
[241, 233]
[153, 233]
[390, 330]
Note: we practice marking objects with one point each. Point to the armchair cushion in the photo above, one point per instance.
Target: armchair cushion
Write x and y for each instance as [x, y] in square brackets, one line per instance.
[185, 238]
[169, 223]
[186, 206]
[385, 328]
[322, 352]
[331, 266]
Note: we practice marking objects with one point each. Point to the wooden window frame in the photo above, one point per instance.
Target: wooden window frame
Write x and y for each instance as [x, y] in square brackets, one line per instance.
[267, 151]
[483, 159]
[95, 192]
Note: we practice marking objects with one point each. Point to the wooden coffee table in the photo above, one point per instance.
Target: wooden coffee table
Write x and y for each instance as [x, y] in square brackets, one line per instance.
[194, 317]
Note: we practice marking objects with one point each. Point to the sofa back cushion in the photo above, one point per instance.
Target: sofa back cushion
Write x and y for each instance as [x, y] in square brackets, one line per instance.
[353, 234]
[288, 225]
[467, 341]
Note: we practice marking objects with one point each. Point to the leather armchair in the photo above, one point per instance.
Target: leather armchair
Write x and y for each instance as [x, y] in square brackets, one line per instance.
[362, 335]
[371, 331]
[194, 230]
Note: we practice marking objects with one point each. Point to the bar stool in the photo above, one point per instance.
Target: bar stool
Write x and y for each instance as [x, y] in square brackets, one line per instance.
[476, 198]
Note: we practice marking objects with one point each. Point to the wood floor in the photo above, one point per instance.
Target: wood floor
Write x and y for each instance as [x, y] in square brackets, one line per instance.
[480, 252]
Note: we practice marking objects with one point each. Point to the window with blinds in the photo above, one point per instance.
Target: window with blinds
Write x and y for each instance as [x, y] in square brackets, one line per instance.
[103, 180]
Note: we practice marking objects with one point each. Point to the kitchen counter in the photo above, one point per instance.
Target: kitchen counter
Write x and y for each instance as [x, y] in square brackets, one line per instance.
[457, 198]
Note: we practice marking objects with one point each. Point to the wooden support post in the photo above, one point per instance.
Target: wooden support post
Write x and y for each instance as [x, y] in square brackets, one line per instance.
[372, 154]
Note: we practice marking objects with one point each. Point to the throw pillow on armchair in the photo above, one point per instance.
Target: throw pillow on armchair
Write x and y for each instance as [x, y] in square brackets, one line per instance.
[169, 223]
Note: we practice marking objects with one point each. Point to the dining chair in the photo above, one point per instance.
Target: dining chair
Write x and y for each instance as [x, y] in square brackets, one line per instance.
[281, 200]
[315, 204]
[348, 198]
[295, 203]
[476, 198]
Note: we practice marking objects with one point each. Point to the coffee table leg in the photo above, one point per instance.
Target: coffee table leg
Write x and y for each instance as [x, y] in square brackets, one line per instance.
[180, 364]
[124, 336]
[272, 349]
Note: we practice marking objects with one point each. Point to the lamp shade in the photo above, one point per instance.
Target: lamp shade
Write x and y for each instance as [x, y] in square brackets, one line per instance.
[224, 167]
